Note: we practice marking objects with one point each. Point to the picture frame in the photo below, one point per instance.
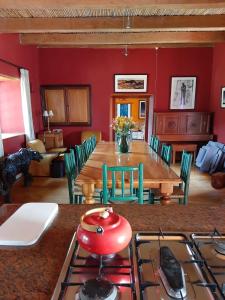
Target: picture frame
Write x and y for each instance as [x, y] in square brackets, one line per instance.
[183, 92]
[142, 109]
[130, 83]
[223, 97]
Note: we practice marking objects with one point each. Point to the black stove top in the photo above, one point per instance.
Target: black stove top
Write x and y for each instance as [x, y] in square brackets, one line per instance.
[142, 270]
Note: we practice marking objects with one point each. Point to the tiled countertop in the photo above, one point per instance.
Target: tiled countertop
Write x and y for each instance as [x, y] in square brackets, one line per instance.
[32, 272]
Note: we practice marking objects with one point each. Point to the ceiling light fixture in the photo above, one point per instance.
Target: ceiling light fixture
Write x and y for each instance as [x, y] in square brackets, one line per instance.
[128, 25]
[126, 50]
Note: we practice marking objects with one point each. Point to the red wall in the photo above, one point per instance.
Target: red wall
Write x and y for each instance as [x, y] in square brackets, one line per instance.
[26, 57]
[184, 62]
[98, 66]
[218, 81]
[11, 116]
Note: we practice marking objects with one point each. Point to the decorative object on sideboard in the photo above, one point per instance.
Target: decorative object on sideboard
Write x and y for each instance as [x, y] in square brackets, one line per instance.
[223, 98]
[130, 83]
[183, 93]
[48, 114]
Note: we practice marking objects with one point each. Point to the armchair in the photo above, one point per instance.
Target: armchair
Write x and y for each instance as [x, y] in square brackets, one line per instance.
[42, 168]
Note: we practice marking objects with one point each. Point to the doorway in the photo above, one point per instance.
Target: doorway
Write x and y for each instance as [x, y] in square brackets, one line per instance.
[135, 106]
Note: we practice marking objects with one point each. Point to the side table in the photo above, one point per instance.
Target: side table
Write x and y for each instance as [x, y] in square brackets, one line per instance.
[184, 147]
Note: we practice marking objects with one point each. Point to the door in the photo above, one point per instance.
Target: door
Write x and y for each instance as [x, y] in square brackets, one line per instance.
[136, 108]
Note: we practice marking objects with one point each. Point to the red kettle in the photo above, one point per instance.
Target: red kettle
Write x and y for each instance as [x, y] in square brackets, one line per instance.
[103, 232]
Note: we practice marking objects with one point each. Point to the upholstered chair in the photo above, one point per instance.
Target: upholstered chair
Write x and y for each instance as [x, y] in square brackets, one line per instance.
[42, 168]
[88, 133]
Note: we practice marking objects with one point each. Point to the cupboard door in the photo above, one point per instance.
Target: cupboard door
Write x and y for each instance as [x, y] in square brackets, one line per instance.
[78, 101]
[55, 101]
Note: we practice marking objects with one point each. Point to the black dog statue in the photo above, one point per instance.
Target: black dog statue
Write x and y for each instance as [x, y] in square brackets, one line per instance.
[14, 164]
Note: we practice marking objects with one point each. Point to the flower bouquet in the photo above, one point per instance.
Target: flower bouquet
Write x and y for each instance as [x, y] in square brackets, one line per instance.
[122, 127]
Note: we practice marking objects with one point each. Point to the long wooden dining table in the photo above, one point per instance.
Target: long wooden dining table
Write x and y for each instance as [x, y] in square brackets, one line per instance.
[157, 174]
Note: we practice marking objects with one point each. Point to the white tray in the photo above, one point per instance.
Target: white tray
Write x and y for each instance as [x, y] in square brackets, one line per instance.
[26, 225]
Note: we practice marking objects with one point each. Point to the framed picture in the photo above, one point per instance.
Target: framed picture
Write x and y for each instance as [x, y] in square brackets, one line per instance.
[130, 83]
[142, 109]
[183, 91]
[123, 110]
[223, 98]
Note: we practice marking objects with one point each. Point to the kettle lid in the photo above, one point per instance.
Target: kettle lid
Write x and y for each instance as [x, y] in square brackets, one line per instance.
[103, 218]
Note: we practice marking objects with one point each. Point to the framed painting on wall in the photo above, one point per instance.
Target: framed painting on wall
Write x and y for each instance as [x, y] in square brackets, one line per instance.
[183, 90]
[142, 109]
[223, 98]
[130, 83]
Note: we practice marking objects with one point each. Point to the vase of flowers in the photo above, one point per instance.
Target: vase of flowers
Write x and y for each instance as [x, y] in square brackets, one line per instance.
[122, 127]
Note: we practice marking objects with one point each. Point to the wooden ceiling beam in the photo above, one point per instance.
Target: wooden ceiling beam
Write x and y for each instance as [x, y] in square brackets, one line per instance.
[113, 4]
[110, 24]
[122, 38]
[130, 47]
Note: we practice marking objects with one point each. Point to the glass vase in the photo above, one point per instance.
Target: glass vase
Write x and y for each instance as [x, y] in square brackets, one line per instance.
[123, 144]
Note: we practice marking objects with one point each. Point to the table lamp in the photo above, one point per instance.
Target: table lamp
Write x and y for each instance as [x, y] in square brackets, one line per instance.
[48, 114]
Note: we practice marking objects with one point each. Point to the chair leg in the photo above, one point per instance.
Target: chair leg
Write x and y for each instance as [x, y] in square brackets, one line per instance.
[80, 197]
[151, 197]
[76, 199]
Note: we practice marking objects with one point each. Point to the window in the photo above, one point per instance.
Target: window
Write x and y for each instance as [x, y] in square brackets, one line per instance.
[70, 104]
[11, 116]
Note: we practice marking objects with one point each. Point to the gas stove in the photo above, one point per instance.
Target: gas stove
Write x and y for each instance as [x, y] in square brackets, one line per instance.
[155, 265]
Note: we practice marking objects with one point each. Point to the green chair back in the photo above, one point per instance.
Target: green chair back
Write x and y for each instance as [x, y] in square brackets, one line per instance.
[166, 152]
[125, 176]
[156, 144]
[71, 174]
[185, 172]
[81, 155]
[152, 141]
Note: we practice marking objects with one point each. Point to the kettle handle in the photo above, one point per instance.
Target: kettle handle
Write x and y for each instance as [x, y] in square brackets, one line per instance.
[94, 228]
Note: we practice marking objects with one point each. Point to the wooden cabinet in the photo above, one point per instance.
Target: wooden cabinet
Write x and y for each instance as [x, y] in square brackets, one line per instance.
[51, 139]
[186, 126]
[182, 123]
[70, 104]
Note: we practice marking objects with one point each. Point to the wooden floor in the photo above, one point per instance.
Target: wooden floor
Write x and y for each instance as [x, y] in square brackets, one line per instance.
[44, 189]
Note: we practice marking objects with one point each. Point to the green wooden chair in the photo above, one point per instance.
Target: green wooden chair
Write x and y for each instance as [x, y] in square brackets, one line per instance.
[75, 193]
[166, 153]
[156, 144]
[125, 176]
[152, 141]
[180, 192]
[81, 155]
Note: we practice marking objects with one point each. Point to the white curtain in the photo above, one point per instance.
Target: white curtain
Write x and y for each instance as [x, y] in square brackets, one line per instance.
[26, 105]
[1, 145]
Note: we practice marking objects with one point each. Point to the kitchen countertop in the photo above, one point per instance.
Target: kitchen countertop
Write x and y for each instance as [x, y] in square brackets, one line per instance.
[32, 272]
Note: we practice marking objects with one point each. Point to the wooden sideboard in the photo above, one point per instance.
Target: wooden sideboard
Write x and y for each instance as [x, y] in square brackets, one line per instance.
[53, 139]
[183, 126]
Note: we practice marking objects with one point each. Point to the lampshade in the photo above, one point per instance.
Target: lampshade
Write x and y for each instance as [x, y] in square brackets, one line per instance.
[50, 113]
[45, 113]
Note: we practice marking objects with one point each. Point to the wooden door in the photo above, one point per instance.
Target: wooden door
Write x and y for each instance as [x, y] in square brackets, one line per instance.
[55, 101]
[78, 101]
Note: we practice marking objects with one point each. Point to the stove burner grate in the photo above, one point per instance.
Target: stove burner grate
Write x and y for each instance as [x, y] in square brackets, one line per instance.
[211, 248]
[99, 286]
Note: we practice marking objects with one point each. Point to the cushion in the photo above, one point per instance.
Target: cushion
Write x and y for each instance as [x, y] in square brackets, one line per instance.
[218, 180]
[37, 145]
